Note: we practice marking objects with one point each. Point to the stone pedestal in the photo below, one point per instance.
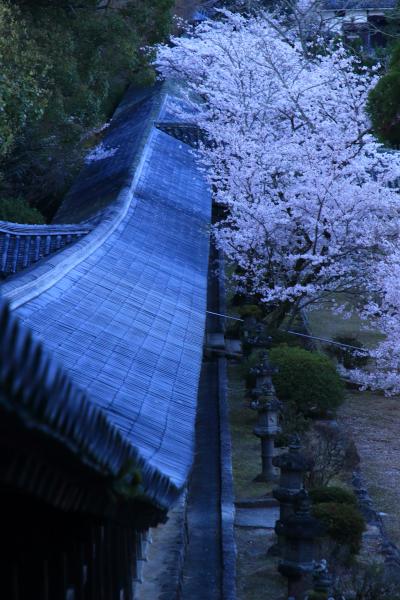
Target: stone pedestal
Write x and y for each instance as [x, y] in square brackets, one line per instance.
[267, 454]
[267, 406]
[293, 465]
[300, 532]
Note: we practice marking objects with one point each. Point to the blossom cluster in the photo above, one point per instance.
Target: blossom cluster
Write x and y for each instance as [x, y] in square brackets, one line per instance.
[100, 152]
[312, 209]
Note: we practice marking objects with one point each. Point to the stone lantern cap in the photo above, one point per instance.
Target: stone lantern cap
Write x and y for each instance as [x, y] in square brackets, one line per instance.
[302, 525]
[321, 576]
[264, 398]
[258, 336]
[264, 369]
[293, 460]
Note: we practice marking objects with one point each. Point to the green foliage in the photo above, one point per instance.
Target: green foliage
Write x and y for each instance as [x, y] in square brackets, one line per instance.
[384, 102]
[344, 523]
[152, 18]
[63, 69]
[233, 329]
[383, 107]
[350, 359]
[279, 336]
[250, 310]
[22, 70]
[307, 381]
[338, 495]
[18, 210]
[276, 338]
[253, 360]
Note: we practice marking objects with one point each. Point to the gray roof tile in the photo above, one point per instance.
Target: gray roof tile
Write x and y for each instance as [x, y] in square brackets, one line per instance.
[128, 321]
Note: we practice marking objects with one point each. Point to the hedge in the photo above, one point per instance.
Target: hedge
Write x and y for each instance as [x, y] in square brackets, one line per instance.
[344, 523]
[307, 381]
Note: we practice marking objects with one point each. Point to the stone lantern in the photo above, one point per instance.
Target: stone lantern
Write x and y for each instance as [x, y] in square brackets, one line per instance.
[249, 327]
[268, 407]
[300, 531]
[257, 336]
[293, 465]
[264, 372]
[322, 582]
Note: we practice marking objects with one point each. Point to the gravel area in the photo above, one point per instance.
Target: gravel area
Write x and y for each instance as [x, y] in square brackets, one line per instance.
[374, 422]
[258, 577]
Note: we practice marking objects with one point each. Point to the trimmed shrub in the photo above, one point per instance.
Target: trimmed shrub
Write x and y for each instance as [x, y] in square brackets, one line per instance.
[322, 495]
[344, 523]
[307, 382]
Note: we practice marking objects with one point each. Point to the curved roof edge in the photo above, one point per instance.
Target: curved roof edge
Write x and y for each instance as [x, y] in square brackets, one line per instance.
[26, 286]
[78, 426]
[42, 276]
[38, 396]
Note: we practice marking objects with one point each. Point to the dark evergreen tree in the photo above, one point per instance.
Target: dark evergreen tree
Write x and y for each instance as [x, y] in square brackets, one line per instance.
[384, 103]
[64, 66]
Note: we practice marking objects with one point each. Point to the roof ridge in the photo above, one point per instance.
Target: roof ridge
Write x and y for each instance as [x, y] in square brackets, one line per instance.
[29, 284]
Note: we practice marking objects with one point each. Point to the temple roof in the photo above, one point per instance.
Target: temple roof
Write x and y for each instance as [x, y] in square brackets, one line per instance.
[126, 319]
[359, 4]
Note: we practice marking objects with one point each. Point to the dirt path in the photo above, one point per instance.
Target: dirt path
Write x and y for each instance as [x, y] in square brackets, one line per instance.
[375, 425]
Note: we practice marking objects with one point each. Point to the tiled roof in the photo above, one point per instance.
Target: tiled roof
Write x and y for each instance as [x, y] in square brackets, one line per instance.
[127, 322]
[359, 4]
[100, 181]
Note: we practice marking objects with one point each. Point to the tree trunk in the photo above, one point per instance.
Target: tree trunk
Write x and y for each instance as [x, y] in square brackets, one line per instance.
[277, 316]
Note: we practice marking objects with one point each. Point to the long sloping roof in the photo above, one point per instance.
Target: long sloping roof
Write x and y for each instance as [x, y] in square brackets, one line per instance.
[57, 445]
[359, 4]
[127, 320]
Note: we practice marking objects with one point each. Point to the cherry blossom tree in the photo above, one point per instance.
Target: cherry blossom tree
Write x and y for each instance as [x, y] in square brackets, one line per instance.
[311, 210]
[382, 312]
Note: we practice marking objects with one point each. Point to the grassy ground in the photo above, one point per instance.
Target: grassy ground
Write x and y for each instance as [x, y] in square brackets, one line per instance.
[257, 575]
[246, 452]
[254, 567]
[375, 422]
[324, 323]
